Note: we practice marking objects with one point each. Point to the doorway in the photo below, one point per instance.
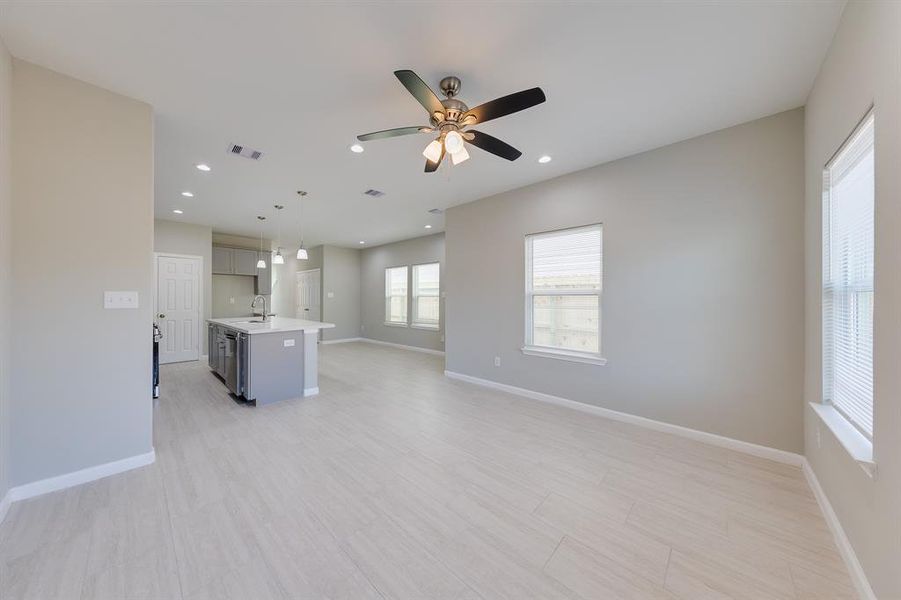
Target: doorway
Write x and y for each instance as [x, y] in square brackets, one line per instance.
[177, 306]
[307, 295]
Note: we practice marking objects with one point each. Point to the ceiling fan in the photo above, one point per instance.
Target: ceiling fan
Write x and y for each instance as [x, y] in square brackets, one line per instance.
[450, 118]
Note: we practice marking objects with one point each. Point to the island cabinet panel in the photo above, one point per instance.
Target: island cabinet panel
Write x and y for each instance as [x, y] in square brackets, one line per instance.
[275, 367]
[223, 261]
[245, 261]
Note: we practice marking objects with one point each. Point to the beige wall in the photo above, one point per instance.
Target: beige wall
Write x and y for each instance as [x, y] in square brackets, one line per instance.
[702, 313]
[863, 67]
[83, 207]
[195, 240]
[6, 248]
[375, 260]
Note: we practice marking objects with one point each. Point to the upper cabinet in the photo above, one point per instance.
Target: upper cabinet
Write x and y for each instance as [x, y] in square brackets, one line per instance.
[223, 261]
[245, 261]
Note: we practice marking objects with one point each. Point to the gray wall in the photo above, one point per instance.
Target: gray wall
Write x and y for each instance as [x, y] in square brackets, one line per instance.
[6, 250]
[863, 67]
[702, 309]
[186, 238]
[341, 292]
[83, 200]
[238, 288]
[375, 260]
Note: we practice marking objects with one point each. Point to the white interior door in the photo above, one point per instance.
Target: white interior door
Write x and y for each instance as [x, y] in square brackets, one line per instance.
[178, 307]
[307, 295]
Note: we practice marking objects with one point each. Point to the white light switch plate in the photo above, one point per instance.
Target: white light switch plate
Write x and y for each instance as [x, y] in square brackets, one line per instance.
[331, 295]
[120, 300]
[289, 343]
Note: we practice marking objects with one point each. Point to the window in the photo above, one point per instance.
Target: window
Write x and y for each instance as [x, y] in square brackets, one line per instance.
[426, 295]
[848, 254]
[563, 294]
[396, 296]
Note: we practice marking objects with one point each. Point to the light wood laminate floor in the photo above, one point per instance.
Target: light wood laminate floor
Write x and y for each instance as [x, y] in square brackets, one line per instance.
[396, 482]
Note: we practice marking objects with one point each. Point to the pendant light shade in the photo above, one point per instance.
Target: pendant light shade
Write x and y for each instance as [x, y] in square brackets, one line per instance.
[261, 264]
[301, 252]
[278, 259]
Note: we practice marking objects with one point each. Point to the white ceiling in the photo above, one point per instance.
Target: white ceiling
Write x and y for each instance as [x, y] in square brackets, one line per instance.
[300, 81]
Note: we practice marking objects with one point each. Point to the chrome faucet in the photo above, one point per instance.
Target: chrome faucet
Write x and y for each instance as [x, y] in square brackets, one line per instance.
[253, 306]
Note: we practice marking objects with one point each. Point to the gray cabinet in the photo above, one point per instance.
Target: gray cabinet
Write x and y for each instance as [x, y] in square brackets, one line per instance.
[245, 261]
[223, 261]
[264, 276]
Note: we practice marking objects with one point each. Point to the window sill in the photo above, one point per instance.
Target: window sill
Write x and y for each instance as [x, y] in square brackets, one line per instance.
[567, 355]
[426, 327]
[389, 324]
[854, 442]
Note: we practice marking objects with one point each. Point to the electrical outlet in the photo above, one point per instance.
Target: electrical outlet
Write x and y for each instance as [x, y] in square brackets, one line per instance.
[497, 361]
[289, 343]
[330, 295]
[231, 300]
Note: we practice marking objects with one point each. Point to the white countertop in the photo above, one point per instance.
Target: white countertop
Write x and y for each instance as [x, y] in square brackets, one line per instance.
[271, 325]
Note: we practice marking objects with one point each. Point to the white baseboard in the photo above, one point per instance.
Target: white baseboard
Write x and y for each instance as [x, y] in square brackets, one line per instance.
[60, 482]
[341, 341]
[403, 346]
[713, 439]
[310, 391]
[858, 577]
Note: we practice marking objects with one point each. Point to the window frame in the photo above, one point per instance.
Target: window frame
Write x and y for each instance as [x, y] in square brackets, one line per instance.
[827, 285]
[529, 347]
[413, 316]
[387, 315]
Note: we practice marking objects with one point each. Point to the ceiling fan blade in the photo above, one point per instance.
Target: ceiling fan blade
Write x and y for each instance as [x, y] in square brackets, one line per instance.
[389, 133]
[493, 145]
[422, 92]
[504, 106]
[431, 167]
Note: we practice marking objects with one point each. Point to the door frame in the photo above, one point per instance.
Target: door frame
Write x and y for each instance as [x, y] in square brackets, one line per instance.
[296, 273]
[156, 293]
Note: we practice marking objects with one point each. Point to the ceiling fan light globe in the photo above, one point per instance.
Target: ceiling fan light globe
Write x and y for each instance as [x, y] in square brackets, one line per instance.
[453, 142]
[302, 254]
[433, 151]
[458, 157]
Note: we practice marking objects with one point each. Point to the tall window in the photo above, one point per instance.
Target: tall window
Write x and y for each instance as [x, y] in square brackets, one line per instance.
[396, 296]
[425, 295]
[848, 254]
[563, 293]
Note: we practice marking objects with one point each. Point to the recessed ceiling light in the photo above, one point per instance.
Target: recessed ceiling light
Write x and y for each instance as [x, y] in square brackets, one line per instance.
[544, 159]
[362, 242]
[187, 194]
[428, 226]
[202, 167]
[178, 211]
[356, 148]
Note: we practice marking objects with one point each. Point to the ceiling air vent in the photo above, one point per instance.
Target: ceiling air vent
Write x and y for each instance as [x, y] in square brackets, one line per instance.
[246, 152]
[374, 193]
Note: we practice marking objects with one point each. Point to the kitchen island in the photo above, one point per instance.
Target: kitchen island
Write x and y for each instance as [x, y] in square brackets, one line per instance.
[266, 361]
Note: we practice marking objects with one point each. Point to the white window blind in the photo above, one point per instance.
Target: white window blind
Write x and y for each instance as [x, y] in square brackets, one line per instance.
[848, 256]
[426, 286]
[563, 290]
[396, 295]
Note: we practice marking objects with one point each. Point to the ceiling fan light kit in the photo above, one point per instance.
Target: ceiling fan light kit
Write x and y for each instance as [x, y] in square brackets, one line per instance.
[450, 118]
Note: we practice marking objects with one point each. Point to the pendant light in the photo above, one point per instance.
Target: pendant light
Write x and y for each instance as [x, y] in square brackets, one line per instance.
[261, 264]
[301, 252]
[278, 259]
